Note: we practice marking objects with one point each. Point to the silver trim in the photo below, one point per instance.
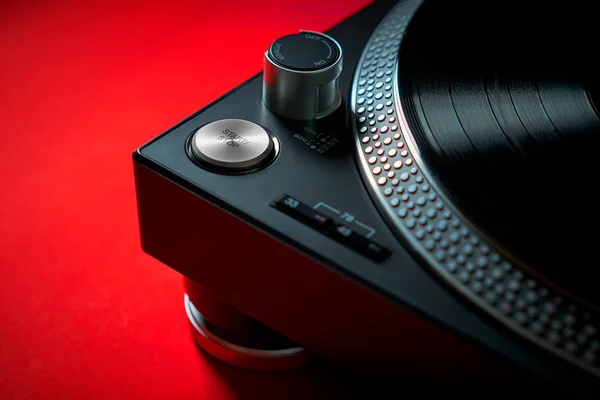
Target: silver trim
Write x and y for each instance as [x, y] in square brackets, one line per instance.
[245, 357]
[580, 318]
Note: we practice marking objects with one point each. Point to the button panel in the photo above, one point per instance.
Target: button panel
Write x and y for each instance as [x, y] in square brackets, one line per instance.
[338, 231]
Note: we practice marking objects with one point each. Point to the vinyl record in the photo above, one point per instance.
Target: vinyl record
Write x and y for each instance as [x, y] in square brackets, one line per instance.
[504, 103]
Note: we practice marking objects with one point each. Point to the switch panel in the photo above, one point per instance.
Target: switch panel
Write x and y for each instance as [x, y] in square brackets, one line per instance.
[338, 231]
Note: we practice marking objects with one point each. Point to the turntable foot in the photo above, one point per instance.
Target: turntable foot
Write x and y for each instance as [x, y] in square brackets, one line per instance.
[235, 338]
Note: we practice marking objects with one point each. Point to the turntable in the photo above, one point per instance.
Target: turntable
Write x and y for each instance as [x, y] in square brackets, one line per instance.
[412, 192]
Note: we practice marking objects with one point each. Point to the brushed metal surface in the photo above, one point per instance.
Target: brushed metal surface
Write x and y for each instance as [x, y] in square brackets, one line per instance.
[232, 144]
[302, 95]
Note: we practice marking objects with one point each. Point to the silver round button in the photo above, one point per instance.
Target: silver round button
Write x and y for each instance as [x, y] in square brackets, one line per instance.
[235, 145]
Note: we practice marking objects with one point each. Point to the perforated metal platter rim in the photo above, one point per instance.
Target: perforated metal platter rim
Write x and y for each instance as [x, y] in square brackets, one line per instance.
[422, 216]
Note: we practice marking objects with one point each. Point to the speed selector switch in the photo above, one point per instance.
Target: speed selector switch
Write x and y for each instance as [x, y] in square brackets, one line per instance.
[301, 76]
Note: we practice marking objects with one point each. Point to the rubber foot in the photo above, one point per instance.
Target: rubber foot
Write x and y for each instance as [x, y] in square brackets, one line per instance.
[258, 350]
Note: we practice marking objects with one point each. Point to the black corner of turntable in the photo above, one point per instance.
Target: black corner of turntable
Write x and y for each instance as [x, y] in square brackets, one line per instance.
[413, 191]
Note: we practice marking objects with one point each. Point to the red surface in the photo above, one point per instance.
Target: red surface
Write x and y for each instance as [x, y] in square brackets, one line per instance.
[84, 313]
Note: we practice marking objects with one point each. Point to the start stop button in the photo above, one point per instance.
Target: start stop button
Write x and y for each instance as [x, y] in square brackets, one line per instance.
[233, 145]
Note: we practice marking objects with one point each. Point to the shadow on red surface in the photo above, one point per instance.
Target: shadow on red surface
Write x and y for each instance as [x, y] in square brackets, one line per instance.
[84, 313]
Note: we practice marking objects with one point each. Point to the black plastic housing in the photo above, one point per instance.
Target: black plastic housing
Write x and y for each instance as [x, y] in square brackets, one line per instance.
[223, 232]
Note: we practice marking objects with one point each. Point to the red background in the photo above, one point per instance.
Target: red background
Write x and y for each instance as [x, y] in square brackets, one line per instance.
[83, 312]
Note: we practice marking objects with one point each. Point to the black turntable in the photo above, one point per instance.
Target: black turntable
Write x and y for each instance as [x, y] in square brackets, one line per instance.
[412, 192]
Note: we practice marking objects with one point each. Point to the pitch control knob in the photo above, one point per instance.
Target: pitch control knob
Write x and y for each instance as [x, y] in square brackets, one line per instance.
[301, 74]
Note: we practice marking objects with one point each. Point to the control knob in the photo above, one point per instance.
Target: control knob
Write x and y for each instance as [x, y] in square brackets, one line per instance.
[301, 76]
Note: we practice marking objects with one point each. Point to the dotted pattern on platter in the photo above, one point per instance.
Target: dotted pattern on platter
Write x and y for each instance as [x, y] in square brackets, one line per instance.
[439, 232]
